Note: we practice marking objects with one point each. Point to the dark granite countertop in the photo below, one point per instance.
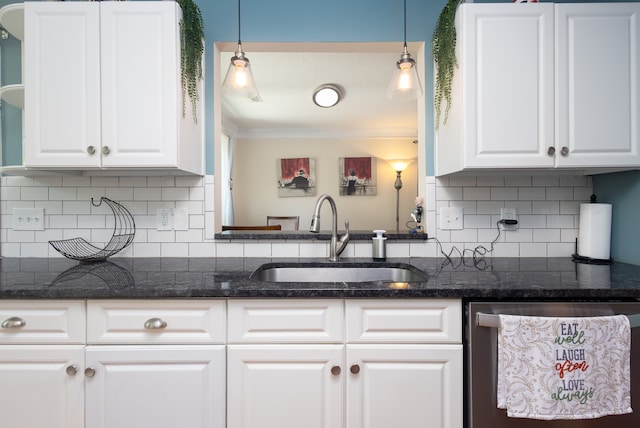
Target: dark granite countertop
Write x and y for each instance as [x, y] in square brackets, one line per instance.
[152, 278]
[323, 235]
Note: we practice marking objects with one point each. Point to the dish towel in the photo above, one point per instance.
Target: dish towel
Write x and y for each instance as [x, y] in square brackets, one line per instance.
[564, 368]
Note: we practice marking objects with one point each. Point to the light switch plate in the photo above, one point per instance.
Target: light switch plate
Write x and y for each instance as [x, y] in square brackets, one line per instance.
[28, 218]
[451, 218]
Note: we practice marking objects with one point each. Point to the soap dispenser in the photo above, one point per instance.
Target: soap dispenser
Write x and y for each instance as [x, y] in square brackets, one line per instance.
[378, 246]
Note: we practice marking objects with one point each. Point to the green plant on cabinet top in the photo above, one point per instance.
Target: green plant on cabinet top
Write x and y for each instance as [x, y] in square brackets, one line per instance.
[444, 57]
[192, 38]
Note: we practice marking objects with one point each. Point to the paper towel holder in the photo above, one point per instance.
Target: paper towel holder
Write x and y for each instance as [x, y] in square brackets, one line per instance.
[588, 260]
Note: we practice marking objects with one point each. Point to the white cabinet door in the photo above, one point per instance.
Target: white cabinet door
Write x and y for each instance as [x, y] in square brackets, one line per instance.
[42, 386]
[141, 96]
[408, 386]
[598, 84]
[285, 386]
[502, 107]
[155, 386]
[62, 84]
[104, 87]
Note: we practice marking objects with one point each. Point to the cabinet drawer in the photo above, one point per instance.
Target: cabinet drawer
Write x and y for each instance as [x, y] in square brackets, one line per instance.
[156, 321]
[42, 321]
[286, 321]
[407, 321]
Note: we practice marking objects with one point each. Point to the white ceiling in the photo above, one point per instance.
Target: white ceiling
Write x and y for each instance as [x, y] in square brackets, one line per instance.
[287, 74]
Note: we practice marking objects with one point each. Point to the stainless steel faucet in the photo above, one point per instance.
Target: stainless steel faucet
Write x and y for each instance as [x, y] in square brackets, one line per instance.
[337, 246]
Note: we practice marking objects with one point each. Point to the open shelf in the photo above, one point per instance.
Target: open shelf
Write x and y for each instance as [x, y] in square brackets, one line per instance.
[13, 94]
[12, 19]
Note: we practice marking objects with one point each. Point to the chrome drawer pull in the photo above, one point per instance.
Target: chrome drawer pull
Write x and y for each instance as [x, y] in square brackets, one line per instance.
[155, 324]
[72, 370]
[13, 322]
[89, 372]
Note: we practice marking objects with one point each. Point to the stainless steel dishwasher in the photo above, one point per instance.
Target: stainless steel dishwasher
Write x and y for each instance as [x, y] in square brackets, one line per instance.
[481, 363]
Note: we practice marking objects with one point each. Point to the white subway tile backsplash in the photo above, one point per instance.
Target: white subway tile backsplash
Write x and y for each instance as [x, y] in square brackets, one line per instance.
[547, 208]
[147, 194]
[168, 249]
[570, 207]
[34, 193]
[531, 193]
[560, 194]
[134, 181]
[517, 180]
[560, 221]
[476, 193]
[504, 193]
[545, 181]
[533, 250]
[76, 181]
[168, 181]
[546, 235]
[175, 194]
[490, 181]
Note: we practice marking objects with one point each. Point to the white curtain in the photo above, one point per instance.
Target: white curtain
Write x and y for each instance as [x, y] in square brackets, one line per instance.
[228, 144]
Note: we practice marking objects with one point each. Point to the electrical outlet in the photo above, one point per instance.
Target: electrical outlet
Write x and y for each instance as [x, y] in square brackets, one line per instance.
[164, 219]
[451, 218]
[508, 214]
[28, 218]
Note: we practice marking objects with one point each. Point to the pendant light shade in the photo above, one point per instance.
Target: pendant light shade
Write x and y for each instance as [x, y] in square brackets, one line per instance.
[405, 83]
[239, 79]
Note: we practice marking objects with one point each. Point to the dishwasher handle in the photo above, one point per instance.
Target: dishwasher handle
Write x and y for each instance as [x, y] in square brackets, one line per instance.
[493, 321]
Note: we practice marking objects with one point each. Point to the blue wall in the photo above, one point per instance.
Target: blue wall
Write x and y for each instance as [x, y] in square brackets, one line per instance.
[326, 21]
[622, 190]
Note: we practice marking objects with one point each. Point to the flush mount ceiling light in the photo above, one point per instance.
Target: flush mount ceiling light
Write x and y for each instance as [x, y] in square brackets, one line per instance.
[239, 80]
[326, 96]
[405, 84]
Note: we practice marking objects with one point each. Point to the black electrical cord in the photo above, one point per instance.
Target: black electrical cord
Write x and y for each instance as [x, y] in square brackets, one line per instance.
[476, 254]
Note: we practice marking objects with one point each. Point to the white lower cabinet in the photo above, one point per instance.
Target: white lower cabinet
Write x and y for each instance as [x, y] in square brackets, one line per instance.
[237, 363]
[41, 359]
[155, 386]
[397, 364]
[284, 386]
[41, 386]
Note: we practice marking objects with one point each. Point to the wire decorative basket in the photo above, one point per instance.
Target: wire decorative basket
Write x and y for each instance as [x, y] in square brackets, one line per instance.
[123, 233]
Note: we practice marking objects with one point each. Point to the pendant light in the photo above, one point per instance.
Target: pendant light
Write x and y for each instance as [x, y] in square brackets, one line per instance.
[239, 80]
[405, 84]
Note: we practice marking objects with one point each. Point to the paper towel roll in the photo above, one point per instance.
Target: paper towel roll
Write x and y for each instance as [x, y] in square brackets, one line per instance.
[594, 236]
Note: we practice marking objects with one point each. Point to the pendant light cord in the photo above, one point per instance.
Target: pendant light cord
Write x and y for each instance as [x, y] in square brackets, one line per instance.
[405, 24]
[239, 42]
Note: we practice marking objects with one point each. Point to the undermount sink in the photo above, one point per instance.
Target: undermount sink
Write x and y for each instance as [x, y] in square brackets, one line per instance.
[338, 272]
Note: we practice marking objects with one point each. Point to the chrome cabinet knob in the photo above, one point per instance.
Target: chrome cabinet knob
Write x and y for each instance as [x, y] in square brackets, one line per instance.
[155, 324]
[13, 322]
[91, 150]
[551, 151]
[355, 369]
[72, 370]
[336, 370]
[106, 150]
[564, 151]
[89, 372]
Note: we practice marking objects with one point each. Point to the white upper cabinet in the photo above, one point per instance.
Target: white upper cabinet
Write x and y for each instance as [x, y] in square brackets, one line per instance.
[543, 86]
[103, 88]
[598, 84]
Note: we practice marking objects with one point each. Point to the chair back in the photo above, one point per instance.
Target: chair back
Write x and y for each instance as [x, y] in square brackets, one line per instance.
[287, 222]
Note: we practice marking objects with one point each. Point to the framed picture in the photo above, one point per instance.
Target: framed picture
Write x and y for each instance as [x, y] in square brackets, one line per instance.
[296, 177]
[357, 176]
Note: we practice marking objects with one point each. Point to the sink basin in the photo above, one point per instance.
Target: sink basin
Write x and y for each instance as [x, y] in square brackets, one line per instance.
[338, 272]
